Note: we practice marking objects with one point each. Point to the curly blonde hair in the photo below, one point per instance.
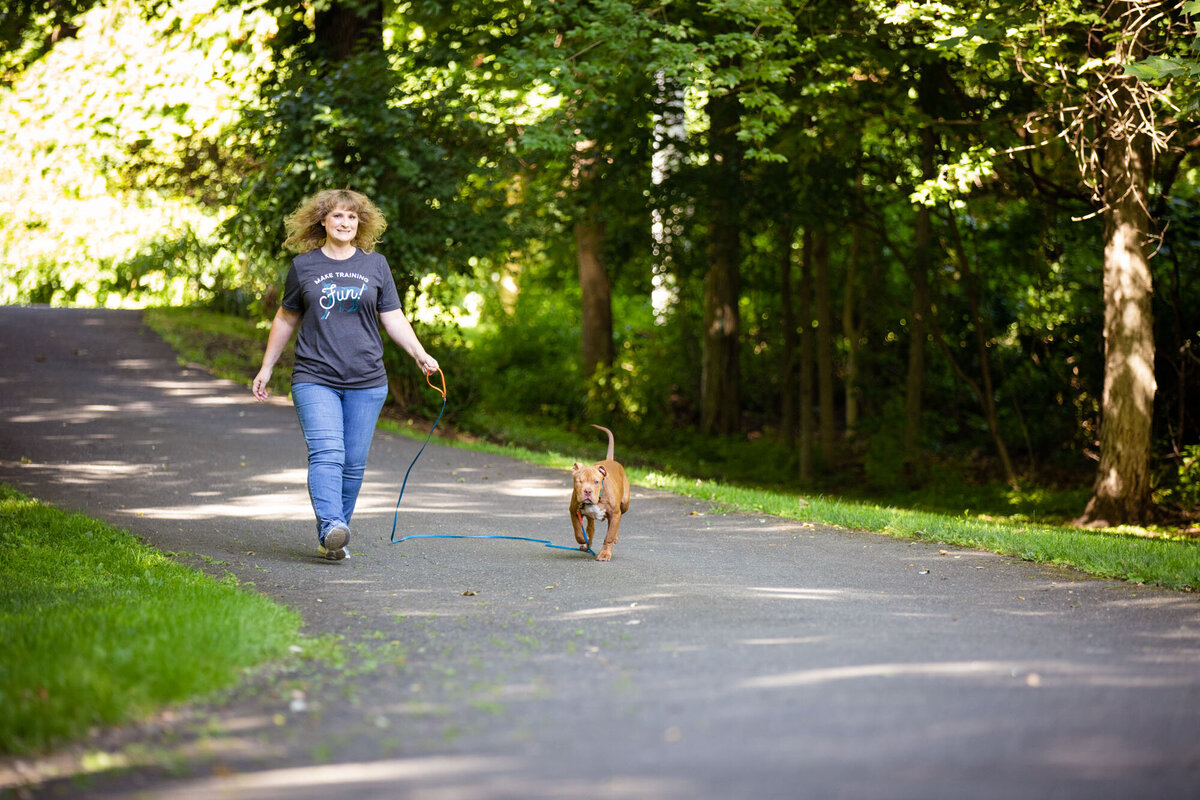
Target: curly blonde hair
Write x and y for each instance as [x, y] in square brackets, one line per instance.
[305, 231]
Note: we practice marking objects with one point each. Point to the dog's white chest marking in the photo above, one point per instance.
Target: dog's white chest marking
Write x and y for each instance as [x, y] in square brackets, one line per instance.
[594, 512]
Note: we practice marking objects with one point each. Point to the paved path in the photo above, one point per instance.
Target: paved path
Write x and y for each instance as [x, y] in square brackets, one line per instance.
[718, 656]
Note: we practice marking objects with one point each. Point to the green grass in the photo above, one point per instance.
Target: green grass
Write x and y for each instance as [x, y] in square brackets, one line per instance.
[1131, 554]
[1025, 524]
[98, 628]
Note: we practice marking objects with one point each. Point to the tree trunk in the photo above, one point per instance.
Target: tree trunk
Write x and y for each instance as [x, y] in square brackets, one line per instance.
[917, 332]
[720, 378]
[596, 297]
[1121, 493]
[852, 329]
[804, 402]
[787, 321]
[825, 382]
[922, 261]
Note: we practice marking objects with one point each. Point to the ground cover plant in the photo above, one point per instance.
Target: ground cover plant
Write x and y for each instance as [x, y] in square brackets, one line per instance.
[1027, 524]
[99, 628]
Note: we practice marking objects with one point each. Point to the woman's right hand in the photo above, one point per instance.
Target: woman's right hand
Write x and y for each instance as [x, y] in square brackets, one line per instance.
[261, 382]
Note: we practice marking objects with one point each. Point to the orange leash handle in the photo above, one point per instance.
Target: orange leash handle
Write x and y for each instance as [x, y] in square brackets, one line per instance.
[442, 375]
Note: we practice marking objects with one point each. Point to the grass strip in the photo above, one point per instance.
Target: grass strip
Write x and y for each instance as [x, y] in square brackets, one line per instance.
[1123, 554]
[99, 628]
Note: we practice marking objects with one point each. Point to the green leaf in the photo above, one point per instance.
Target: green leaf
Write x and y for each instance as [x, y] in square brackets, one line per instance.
[989, 51]
[1142, 71]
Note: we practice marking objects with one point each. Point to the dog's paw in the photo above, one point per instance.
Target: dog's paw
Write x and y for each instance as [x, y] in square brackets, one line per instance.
[604, 556]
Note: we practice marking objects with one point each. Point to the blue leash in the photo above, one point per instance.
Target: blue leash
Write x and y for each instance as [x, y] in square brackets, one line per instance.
[546, 542]
[396, 513]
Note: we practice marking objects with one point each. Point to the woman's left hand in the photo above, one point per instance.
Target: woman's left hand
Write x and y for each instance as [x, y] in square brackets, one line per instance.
[427, 364]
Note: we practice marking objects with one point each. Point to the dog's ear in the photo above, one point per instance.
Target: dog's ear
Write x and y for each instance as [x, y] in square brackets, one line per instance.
[603, 471]
[577, 467]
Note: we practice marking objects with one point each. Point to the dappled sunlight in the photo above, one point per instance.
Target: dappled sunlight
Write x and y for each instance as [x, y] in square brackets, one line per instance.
[795, 594]
[266, 783]
[814, 677]
[531, 488]
[68, 764]
[181, 388]
[446, 500]
[338, 776]
[1181, 634]
[218, 401]
[81, 414]
[434, 776]
[1035, 674]
[1154, 601]
[279, 506]
[88, 474]
[641, 598]
[297, 476]
[273, 431]
[603, 612]
[135, 363]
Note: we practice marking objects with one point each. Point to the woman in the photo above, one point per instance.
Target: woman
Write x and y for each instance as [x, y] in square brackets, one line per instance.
[338, 293]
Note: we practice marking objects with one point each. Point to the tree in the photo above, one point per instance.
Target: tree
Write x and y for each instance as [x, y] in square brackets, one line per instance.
[1122, 489]
[720, 377]
[1076, 57]
[1116, 134]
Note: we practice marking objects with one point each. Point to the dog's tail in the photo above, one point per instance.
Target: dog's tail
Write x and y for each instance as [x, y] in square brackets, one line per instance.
[608, 457]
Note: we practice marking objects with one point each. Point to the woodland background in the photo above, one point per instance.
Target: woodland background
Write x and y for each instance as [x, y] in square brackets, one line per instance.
[840, 247]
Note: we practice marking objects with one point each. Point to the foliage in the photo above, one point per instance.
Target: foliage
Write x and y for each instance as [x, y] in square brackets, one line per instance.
[362, 123]
[1179, 484]
[82, 219]
[29, 30]
[521, 353]
[99, 628]
[924, 141]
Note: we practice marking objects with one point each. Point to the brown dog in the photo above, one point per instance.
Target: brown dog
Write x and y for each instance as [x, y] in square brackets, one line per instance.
[601, 492]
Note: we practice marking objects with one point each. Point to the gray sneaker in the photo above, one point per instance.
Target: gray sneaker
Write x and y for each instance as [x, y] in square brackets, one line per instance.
[335, 543]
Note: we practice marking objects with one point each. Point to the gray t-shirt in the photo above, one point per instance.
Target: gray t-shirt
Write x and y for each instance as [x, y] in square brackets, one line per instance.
[338, 343]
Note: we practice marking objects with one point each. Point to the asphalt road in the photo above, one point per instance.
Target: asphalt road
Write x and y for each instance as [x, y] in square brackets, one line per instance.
[717, 656]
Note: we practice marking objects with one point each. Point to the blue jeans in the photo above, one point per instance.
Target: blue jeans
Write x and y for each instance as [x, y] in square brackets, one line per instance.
[338, 425]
